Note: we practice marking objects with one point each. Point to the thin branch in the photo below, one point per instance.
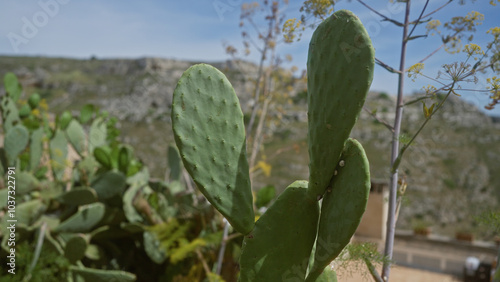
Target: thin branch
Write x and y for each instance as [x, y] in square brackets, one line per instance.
[232, 236]
[203, 262]
[38, 249]
[427, 119]
[379, 119]
[431, 54]
[381, 15]
[372, 270]
[222, 247]
[418, 99]
[391, 214]
[418, 20]
[386, 66]
[444, 5]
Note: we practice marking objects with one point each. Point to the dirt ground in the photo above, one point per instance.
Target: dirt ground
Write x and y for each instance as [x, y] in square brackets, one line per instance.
[398, 274]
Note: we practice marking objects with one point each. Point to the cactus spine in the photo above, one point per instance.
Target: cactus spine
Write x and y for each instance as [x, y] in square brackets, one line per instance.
[279, 246]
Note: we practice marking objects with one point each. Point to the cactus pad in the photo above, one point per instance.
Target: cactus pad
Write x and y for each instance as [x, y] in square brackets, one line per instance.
[76, 136]
[343, 206]
[98, 275]
[279, 246]
[58, 146]
[36, 148]
[75, 248]
[16, 140]
[109, 184]
[208, 128]
[340, 70]
[84, 219]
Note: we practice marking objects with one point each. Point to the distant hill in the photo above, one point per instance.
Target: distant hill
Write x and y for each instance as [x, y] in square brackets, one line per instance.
[452, 170]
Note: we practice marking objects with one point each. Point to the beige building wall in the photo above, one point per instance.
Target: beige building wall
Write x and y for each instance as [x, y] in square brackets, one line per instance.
[373, 222]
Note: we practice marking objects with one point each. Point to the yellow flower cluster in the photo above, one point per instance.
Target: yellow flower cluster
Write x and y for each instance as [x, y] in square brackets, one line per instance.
[430, 89]
[495, 31]
[289, 29]
[474, 17]
[432, 26]
[473, 49]
[415, 70]
[494, 87]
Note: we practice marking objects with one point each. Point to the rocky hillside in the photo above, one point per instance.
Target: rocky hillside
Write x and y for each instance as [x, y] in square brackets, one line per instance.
[451, 171]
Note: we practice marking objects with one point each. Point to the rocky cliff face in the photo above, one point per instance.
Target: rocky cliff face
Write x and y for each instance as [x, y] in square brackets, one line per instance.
[451, 170]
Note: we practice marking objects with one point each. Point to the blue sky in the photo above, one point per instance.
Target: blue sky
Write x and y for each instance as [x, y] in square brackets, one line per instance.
[196, 30]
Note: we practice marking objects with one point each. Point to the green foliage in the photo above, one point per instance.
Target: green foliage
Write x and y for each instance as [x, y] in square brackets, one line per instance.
[12, 86]
[51, 266]
[265, 195]
[98, 206]
[279, 246]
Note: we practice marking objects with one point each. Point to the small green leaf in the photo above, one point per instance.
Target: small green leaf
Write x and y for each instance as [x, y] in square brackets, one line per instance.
[34, 100]
[64, 120]
[102, 155]
[124, 157]
[265, 196]
[86, 113]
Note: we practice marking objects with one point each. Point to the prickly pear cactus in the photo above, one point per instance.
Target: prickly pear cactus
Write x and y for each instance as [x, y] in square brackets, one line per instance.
[208, 127]
[343, 206]
[291, 241]
[339, 73]
[278, 247]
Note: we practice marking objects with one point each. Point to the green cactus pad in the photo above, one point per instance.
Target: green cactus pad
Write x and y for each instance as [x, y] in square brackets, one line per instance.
[340, 70]
[279, 246]
[97, 134]
[28, 212]
[98, 275]
[79, 196]
[129, 209]
[12, 86]
[103, 156]
[64, 119]
[76, 136]
[16, 140]
[25, 183]
[174, 163]
[86, 113]
[153, 248]
[58, 146]
[343, 206]
[208, 127]
[75, 248]
[84, 219]
[109, 184]
[36, 148]
[125, 155]
[24, 111]
[328, 275]
[34, 100]
[10, 113]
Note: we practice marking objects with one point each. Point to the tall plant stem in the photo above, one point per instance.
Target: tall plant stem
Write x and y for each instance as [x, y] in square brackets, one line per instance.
[391, 216]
